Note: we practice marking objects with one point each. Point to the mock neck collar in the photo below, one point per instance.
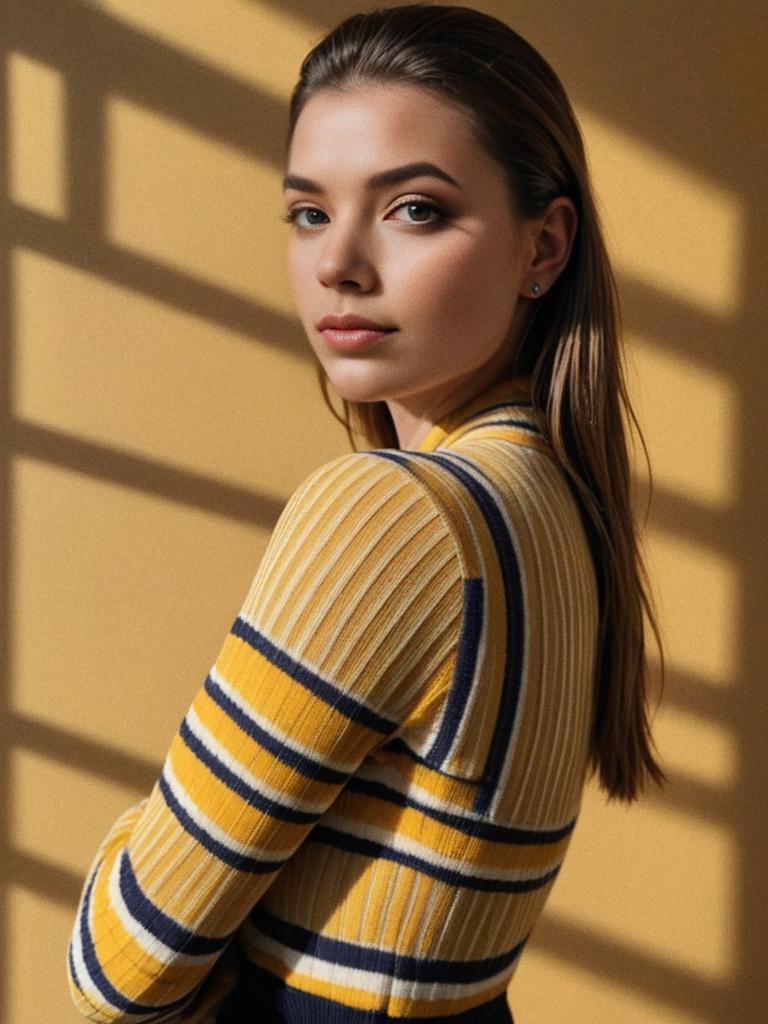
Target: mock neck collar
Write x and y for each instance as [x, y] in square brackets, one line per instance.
[504, 389]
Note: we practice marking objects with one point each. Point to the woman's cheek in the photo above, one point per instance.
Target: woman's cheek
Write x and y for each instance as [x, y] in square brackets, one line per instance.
[300, 278]
[457, 290]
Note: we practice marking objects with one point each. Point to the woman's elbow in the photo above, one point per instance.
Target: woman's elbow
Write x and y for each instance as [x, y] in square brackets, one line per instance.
[97, 1000]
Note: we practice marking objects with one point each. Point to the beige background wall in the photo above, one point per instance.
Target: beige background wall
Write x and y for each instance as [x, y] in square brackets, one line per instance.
[159, 407]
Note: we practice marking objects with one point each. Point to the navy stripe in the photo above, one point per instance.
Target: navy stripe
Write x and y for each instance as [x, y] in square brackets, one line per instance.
[73, 970]
[464, 672]
[233, 781]
[515, 621]
[515, 624]
[304, 765]
[257, 987]
[460, 690]
[505, 404]
[239, 861]
[399, 746]
[372, 848]
[159, 924]
[380, 961]
[316, 685]
[486, 830]
[518, 424]
[98, 977]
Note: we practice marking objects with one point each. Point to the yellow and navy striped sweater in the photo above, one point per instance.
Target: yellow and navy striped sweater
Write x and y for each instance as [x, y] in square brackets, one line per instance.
[374, 788]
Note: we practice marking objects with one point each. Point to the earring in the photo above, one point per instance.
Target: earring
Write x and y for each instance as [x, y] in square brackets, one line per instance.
[535, 288]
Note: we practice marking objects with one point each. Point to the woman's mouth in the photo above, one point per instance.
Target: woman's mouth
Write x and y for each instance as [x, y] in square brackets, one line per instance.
[353, 340]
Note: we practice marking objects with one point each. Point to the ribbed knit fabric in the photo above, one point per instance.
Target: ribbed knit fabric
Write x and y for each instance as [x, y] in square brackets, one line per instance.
[374, 789]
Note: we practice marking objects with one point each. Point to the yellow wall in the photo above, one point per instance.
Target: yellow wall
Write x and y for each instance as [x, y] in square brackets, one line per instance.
[151, 352]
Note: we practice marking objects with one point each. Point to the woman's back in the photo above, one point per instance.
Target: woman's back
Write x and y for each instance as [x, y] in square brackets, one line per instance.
[417, 889]
[386, 760]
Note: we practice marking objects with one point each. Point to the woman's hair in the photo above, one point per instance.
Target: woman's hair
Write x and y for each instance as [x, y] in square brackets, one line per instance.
[521, 115]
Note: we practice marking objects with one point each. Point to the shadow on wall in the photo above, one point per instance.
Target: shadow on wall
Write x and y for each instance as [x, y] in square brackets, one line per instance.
[680, 107]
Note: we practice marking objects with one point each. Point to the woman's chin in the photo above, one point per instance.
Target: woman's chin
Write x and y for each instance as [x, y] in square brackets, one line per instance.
[357, 389]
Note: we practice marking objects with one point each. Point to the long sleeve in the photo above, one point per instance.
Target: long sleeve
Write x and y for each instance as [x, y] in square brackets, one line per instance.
[343, 637]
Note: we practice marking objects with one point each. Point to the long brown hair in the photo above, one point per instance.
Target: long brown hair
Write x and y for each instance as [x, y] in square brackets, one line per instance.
[571, 350]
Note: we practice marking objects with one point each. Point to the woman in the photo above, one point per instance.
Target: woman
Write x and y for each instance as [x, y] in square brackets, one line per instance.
[369, 799]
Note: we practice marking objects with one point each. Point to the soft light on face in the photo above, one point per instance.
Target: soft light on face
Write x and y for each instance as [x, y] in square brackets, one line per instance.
[441, 262]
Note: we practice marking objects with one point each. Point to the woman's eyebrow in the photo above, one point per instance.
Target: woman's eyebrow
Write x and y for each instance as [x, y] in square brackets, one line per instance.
[391, 177]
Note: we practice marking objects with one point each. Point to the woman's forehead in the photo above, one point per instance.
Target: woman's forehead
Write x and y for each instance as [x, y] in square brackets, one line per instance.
[369, 134]
[397, 110]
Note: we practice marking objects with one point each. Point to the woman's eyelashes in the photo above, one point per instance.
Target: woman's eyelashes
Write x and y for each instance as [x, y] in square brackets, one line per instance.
[291, 217]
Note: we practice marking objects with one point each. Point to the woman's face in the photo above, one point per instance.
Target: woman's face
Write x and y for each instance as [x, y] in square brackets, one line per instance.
[443, 263]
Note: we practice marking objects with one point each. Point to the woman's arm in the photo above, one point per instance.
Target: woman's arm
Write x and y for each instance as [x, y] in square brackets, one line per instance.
[360, 584]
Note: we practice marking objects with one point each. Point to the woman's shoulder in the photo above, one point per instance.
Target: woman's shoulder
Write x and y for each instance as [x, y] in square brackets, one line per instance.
[368, 505]
[355, 484]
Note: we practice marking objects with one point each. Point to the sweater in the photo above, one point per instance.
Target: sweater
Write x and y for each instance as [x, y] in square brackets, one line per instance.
[374, 788]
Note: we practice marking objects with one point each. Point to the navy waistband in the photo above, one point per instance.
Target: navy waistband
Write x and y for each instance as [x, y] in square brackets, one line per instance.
[261, 998]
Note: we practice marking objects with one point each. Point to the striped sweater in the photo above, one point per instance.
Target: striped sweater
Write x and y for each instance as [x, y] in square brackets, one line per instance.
[374, 788]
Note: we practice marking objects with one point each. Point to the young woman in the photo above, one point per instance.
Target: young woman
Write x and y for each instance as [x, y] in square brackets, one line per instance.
[369, 799]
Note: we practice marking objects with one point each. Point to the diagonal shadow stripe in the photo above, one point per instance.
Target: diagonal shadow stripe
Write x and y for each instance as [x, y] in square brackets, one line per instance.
[685, 518]
[686, 691]
[675, 325]
[40, 876]
[83, 753]
[123, 60]
[142, 474]
[197, 297]
[605, 957]
[691, 798]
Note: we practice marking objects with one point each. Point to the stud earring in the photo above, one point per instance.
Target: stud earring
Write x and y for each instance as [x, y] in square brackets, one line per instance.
[535, 288]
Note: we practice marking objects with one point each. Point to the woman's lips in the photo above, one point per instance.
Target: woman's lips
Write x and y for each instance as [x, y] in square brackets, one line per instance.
[352, 340]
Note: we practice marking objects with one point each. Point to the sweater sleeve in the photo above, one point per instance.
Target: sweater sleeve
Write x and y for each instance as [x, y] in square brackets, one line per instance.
[349, 623]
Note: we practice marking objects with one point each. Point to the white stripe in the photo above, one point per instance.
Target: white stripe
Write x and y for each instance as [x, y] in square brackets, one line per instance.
[484, 479]
[204, 822]
[403, 844]
[393, 780]
[151, 945]
[310, 492]
[88, 986]
[473, 524]
[375, 983]
[209, 741]
[351, 553]
[284, 738]
[305, 525]
[405, 647]
[84, 980]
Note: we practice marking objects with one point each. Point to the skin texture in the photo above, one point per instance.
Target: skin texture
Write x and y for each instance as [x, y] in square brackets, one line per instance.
[454, 281]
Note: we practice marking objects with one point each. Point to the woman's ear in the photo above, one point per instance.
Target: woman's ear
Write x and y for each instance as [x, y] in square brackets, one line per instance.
[552, 237]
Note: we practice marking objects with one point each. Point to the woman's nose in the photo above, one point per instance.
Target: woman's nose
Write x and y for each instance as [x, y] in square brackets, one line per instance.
[345, 260]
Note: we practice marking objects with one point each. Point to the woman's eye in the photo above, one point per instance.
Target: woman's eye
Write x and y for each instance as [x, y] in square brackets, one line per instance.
[421, 205]
[291, 216]
[416, 208]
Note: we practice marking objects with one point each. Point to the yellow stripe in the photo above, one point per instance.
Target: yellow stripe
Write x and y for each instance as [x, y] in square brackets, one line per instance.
[148, 980]
[248, 752]
[472, 852]
[242, 822]
[444, 789]
[315, 724]
[180, 876]
[522, 438]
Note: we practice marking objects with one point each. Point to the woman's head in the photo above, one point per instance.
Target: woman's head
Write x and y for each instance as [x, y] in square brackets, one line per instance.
[506, 116]
[479, 99]
[441, 254]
